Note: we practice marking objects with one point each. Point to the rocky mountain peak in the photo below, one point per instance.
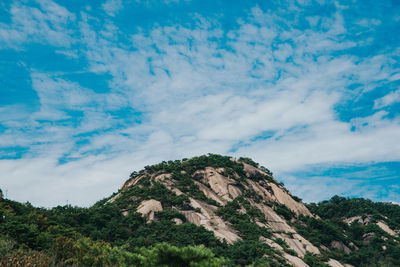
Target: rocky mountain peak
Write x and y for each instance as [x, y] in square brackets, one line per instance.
[210, 211]
[210, 191]
[239, 201]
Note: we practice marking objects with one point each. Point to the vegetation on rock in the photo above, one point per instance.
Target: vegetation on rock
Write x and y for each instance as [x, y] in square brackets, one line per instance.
[214, 211]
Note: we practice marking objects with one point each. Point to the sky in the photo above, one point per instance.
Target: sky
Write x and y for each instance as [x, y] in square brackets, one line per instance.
[91, 91]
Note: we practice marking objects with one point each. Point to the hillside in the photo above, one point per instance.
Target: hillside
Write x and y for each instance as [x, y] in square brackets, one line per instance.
[205, 211]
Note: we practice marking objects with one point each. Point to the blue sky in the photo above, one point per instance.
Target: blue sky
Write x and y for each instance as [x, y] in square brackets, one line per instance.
[90, 91]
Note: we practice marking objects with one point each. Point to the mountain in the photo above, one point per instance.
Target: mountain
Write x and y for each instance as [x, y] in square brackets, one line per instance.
[205, 211]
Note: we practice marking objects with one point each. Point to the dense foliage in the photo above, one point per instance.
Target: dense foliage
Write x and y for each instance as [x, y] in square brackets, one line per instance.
[98, 236]
[369, 244]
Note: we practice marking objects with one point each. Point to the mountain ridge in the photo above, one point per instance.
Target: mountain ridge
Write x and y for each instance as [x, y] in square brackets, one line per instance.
[245, 183]
[234, 207]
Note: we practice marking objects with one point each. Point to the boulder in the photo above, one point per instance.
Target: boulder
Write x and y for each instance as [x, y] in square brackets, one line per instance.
[148, 207]
[340, 246]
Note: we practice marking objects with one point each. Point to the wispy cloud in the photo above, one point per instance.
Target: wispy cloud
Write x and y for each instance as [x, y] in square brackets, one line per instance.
[183, 89]
[44, 22]
[389, 99]
[111, 7]
[372, 180]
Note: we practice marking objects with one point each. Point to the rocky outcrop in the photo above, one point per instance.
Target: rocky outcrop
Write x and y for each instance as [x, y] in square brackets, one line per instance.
[284, 198]
[294, 261]
[367, 220]
[271, 192]
[274, 221]
[386, 228]
[340, 246]
[249, 170]
[284, 231]
[271, 243]
[209, 220]
[177, 221]
[222, 186]
[249, 185]
[210, 193]
[111, 200]
[358, 219]
[298, 243]
[162, 177]
[223, 189]
[133, 181]
[334, 263]
[148, 207]
[367, 238]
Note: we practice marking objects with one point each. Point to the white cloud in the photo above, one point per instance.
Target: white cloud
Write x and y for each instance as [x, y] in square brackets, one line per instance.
[317, 188]
[387, 100]
[47, 24]
[201, 90]
[111, 7]
[369, 22]
[327, 142]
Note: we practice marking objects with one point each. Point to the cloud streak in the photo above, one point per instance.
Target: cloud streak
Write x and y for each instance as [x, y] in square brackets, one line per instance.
[45, 22]
[268, 86]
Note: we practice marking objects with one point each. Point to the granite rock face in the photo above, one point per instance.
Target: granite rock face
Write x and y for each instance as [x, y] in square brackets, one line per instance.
[206, 190]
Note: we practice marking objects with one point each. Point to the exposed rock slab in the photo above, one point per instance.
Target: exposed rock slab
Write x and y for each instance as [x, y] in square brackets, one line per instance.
[261, 191]
[386, 228]
[298, 243]
[274, 221]
[162, 177]
[133, 182]
[367, 220]
[112, 200]
[358, 219]
[285, 199]
[284, 231]
[148, 207]
[278, 195]
[295, 261]
[340, 246]
[222, 186]
[210, 194]
[334, 263]
[271, 243]
[209, 220]
[248, 169]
